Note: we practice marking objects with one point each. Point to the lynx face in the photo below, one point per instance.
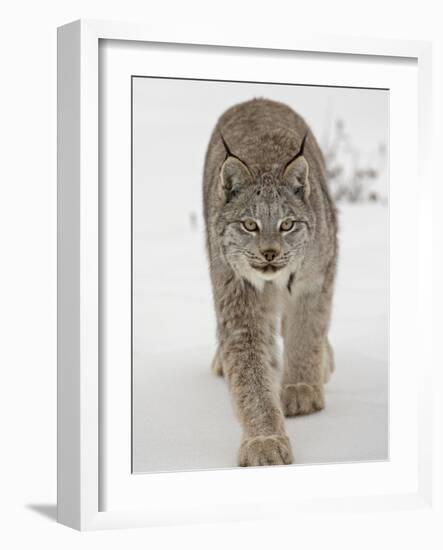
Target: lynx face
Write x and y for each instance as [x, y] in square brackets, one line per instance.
[266, 229]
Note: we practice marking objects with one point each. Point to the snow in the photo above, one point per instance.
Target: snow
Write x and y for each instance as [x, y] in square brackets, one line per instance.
[183, 418]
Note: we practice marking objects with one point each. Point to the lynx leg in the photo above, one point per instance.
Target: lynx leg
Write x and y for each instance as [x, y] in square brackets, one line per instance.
[249, 364]
[307, 352]
[328, 361]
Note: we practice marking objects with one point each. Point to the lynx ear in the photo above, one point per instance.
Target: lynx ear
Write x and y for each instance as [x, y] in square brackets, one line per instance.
[297, 174]
[296, 171]
[233, 175]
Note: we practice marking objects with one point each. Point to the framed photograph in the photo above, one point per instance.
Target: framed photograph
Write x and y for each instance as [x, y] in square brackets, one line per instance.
[242, 271]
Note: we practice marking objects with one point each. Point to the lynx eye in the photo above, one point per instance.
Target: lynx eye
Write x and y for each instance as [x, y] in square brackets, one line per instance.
[250, 225]
[287, 225]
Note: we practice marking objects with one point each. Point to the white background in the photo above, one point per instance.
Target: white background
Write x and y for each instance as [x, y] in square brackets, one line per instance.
[28, 276]
[183, 417]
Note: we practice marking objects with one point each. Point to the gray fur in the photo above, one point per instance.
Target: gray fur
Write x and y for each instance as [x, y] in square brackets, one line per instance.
[267, 279]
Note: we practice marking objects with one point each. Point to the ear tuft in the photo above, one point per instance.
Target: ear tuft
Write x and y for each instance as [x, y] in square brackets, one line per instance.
[233, 175]
[297, 174]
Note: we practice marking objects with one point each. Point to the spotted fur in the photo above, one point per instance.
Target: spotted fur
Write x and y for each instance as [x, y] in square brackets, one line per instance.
[264, 167]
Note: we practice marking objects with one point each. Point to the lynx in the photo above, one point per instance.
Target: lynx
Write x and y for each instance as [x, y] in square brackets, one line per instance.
[271, 232]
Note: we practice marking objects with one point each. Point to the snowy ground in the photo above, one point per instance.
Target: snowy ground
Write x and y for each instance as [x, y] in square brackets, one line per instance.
[183, 418]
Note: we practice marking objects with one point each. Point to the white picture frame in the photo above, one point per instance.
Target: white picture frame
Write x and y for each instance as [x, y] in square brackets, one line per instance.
[86, 499]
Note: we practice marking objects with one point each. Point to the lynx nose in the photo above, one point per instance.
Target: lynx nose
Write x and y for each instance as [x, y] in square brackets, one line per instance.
[270, 254]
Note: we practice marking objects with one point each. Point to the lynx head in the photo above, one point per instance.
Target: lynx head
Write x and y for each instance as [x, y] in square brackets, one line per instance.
[265, 216]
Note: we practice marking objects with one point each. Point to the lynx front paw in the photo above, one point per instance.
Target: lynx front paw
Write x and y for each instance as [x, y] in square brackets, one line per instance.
[302, 399]
[265, 451]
